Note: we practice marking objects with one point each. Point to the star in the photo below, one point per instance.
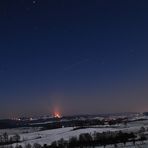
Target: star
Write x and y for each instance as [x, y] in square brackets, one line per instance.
[34, 2]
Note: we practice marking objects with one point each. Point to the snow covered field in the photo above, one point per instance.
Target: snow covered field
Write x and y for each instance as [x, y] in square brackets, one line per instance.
[34, 135]
[19, 131]
[48, 136]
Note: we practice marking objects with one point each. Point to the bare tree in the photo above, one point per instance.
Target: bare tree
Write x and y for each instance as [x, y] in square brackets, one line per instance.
[1, 138]
[36, 145]
[28, 146]
[5, 136]
[16, 138]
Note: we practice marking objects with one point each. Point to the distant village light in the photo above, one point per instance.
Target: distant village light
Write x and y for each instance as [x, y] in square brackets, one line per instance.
[57, 115]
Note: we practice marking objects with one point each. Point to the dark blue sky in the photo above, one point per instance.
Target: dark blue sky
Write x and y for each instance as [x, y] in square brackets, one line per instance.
[79, 56]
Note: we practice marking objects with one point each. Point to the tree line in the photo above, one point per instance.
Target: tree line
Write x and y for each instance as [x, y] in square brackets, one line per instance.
[90, 140]
[5, 139]
[96, 139]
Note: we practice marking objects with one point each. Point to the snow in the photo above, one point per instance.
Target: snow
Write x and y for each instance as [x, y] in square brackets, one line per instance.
[20, 130]
[48, 136]
[33, 135]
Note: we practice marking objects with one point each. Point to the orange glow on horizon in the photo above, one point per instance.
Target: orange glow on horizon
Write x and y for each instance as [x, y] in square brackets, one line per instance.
[57, 115]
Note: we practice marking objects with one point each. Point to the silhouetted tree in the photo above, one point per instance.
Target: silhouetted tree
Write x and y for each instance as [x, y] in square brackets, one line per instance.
[16, 138]
[36, 145]
[62, 143]
[18, 146]
[142, 138]
[46, 146]
[134, 141]
[28, 146]
[142, 130]
[73, 141]
[54, 144]
[5, 136]
[1, 138]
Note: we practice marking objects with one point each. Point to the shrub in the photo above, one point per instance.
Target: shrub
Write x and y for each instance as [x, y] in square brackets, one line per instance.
[36, 145]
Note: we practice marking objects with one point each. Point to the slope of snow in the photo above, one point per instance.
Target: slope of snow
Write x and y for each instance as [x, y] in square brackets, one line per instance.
[48, 136]
[20, 130]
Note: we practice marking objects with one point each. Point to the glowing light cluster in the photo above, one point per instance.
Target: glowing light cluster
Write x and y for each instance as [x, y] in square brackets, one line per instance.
[57, 115]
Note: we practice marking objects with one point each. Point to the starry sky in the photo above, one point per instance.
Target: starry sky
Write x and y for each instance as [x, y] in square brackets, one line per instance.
[78, 56]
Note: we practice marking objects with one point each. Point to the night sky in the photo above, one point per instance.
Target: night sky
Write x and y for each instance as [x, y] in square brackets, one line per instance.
[78, 56]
